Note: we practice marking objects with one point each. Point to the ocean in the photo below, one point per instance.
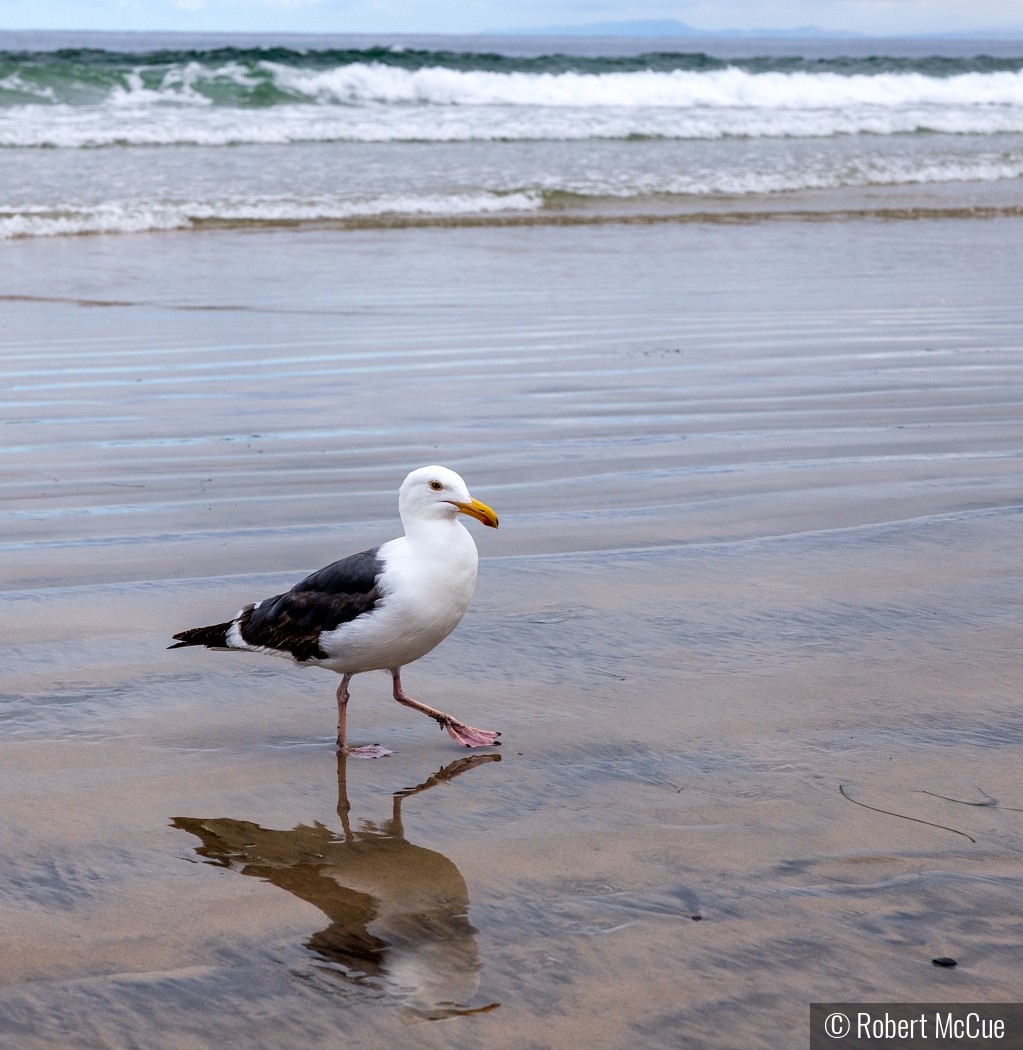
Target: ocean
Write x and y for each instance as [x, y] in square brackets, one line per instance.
[155, 132]
[730, 336]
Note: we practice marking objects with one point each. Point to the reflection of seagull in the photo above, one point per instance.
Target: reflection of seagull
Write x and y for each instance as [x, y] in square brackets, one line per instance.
[397, 911]
[377, 610]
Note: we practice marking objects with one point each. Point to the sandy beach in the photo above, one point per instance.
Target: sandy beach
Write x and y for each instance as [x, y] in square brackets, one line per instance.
[760, 488]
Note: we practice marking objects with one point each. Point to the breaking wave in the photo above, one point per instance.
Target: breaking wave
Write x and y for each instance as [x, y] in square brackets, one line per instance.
[217, 99]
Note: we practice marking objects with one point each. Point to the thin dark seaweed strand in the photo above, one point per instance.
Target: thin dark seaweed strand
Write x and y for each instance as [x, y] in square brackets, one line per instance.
[991, 801]
[902, 816]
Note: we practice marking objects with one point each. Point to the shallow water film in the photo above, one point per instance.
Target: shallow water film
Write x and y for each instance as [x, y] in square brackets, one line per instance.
[760, 488]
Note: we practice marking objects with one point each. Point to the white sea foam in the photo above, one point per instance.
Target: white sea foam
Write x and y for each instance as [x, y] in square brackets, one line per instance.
[861, 172]
[66, 127]
[18, 86]
[377, 103]
[139, 217]
[824, 173]
[679, 89]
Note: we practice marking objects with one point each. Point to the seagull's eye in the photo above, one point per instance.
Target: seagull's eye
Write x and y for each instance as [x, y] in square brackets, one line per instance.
[436, 486]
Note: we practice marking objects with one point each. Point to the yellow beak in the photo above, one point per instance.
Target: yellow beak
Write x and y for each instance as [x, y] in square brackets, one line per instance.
[479, 511]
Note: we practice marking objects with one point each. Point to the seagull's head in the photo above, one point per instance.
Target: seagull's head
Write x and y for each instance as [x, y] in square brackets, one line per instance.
[435, 493]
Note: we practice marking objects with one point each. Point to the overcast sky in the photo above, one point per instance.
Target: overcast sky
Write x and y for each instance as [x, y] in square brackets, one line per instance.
[880, 17]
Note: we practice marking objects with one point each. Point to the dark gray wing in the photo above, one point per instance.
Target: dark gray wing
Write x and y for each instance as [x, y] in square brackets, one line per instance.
[356, 574]
[292, 622]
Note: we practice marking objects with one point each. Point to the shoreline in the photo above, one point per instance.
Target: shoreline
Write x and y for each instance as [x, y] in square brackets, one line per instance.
[971, 201]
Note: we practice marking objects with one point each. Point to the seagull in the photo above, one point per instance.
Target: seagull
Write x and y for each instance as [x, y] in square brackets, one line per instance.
[378, 610]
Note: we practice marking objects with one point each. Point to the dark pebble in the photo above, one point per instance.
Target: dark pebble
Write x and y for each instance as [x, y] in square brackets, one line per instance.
[944, 960]
[696, 918]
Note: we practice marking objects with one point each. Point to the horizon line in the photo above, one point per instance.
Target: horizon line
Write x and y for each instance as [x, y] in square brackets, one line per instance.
[583, 30]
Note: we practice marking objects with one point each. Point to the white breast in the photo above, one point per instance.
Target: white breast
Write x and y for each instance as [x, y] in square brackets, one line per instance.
[426, 584]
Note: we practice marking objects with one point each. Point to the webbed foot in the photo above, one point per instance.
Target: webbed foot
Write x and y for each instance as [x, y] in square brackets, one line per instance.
[467, 736]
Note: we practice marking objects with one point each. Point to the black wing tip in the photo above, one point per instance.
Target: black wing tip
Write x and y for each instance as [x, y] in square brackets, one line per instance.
[213, 637]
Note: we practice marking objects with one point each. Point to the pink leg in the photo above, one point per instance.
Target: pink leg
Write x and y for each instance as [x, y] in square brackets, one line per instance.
[372, 750]
[458, 731]
[342, 711]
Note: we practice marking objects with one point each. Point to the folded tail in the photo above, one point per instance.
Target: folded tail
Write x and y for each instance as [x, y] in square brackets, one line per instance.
[213, 637]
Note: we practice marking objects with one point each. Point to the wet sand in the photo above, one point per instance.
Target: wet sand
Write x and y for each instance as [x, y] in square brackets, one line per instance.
[760, 490]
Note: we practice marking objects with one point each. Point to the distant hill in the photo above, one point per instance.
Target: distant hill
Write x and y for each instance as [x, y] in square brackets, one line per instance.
[671, 28]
